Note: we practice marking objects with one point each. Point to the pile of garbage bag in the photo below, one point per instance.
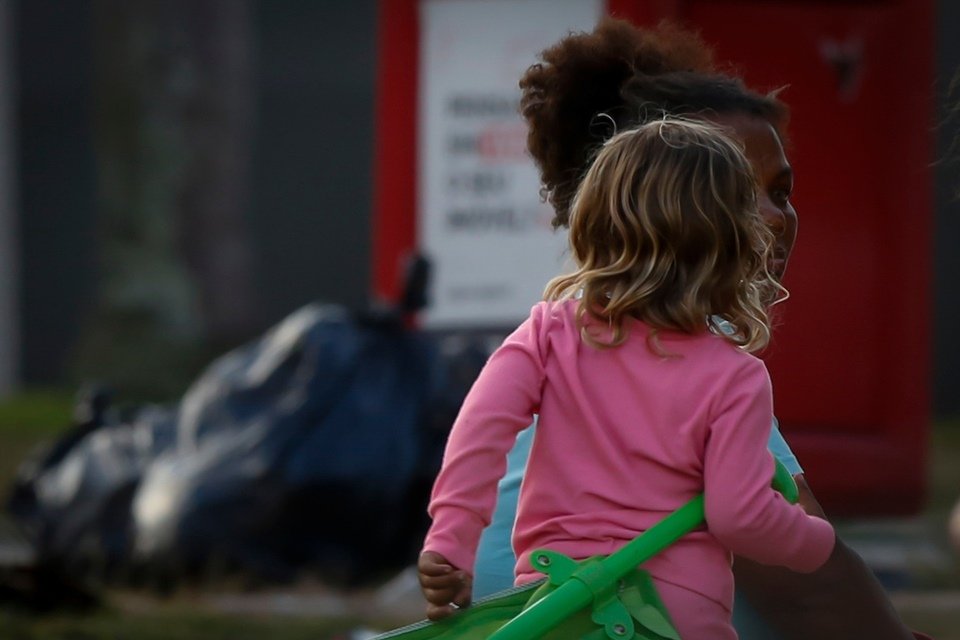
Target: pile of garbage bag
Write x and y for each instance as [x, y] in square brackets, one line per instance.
[310, 451]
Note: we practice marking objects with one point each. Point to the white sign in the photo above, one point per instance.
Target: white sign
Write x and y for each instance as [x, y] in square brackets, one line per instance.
[481, 220]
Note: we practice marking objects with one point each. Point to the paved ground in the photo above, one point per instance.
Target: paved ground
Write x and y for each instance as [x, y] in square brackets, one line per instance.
[905, 553]
[916, 564]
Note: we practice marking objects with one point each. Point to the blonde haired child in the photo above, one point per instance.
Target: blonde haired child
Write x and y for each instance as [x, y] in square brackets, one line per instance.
[639, 365]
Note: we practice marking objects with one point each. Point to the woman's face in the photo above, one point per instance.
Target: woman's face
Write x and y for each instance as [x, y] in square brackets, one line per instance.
[765, 152]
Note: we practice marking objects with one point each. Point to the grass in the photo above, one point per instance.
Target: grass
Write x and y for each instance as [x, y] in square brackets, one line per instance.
[26, 420]
[944, 474]
[167, 624]
[40, 412]
[942, 623]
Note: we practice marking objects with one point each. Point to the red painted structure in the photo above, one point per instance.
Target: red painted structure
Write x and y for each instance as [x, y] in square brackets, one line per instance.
[851, 360]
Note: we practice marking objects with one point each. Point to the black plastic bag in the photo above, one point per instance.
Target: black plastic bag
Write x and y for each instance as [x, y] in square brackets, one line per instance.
[302, 451]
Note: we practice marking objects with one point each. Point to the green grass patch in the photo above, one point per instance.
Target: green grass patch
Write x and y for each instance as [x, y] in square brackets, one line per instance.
[941, 624]
[32, 415]
[944, 468]
[26, 420]
[174, 624]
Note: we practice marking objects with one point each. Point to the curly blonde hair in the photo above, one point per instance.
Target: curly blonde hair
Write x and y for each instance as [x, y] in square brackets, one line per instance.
[665, 228]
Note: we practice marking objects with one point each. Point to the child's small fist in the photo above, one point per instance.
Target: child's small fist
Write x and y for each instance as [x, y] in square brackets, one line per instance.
[445, 587]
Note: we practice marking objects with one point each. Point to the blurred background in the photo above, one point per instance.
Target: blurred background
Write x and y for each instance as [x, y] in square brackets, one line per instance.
[210, 214]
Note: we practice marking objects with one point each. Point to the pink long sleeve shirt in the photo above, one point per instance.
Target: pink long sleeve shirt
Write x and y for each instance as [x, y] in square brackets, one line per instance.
[625, 437]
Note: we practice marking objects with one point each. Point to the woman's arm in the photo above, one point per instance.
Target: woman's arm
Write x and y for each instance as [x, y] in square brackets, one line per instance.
[842, 600]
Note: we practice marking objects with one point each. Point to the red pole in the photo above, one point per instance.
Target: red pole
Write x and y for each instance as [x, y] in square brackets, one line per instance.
[395, 154]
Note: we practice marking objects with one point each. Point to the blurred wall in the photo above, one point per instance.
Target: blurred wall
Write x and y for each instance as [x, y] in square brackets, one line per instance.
[946, 337]
[313, 151]
[57, 180]
[9, 241]
[309, 193]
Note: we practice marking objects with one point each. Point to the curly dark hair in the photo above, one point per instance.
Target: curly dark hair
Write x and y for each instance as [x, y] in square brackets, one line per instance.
[588, 86]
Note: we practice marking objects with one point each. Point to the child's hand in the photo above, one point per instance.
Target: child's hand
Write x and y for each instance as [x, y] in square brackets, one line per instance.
[445, 587]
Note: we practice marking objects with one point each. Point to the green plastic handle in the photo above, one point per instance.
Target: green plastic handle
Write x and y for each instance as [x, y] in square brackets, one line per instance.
[578, 592]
